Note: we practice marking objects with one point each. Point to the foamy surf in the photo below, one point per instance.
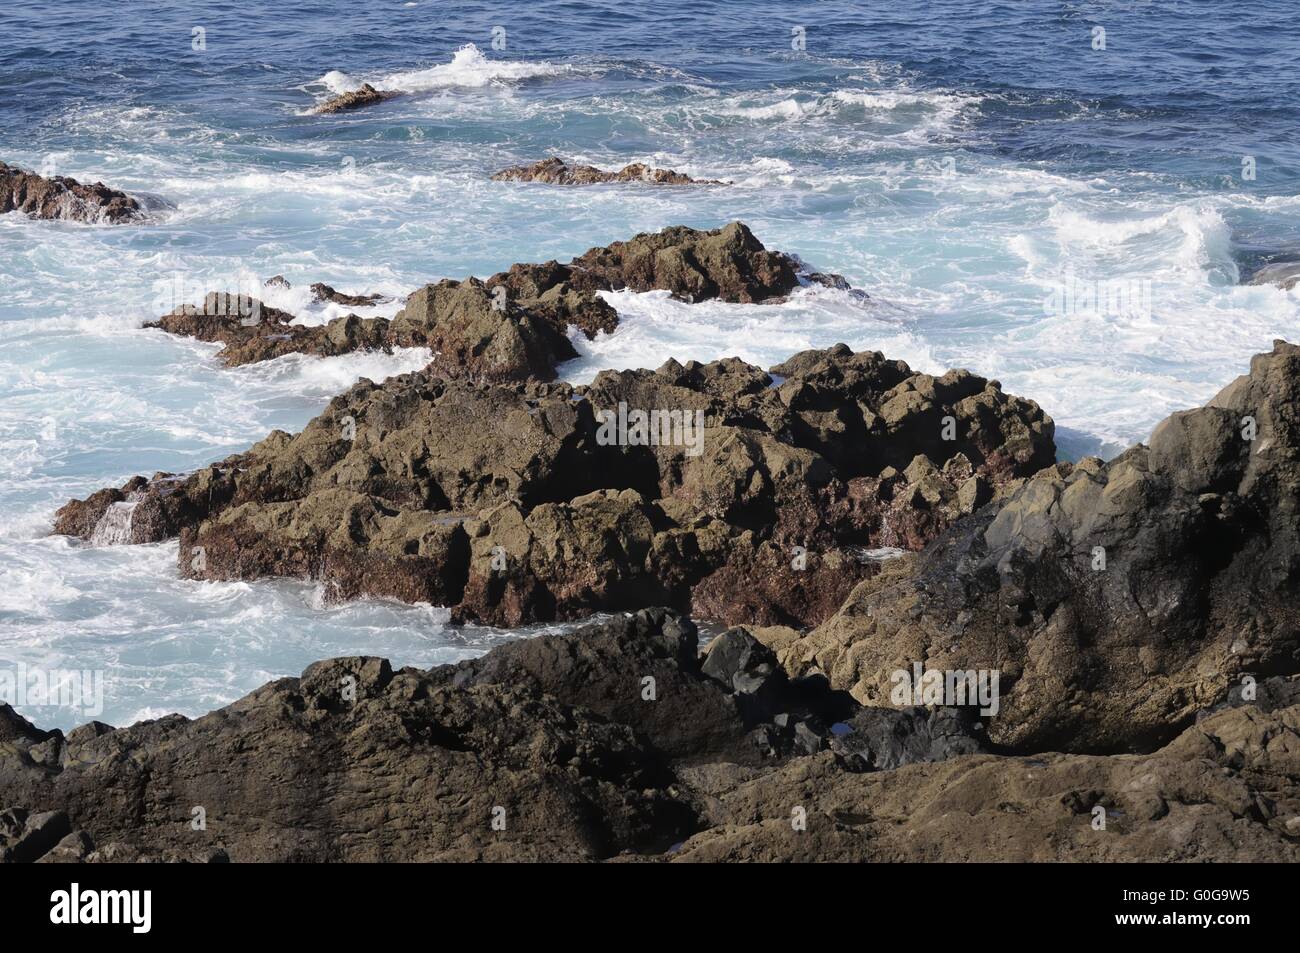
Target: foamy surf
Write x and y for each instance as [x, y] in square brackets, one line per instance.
[654, 326]
[469, 68]
[169, 645]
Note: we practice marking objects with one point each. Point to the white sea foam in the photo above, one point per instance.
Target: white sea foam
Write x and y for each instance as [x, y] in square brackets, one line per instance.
[654, 327]
[169, 645]
[897, 114]
[469, 69]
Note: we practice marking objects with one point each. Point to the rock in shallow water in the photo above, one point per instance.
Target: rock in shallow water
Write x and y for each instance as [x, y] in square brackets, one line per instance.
[514, 326]
[515, 503]
[366, 95]
[555, 171]
[63, 198]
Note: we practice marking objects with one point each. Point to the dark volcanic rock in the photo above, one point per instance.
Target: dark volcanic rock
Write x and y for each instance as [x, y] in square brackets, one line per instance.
[64, 198]
[519, 502]
[149, 510]
[353, 761]
[324, 292]
[25, 838]
[253, 331]
[1115, 600]
[561, 737]
[514, 326]
[367, 95]
[886, 738]
[1269, 694]
[640, 670]
[741, 664]
[1223, 791]
[476, 333]
[728, 263]
[552, 749]
[555, 171]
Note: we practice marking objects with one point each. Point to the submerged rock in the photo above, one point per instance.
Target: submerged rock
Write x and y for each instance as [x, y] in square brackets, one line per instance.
[555, 171]
[60, 197]
[1114, 600]
[1282, 274]
[514, 503]
[367, 95]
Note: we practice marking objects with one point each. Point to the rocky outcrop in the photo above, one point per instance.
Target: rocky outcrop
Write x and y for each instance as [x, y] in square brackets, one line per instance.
[556, 748]
[252, 331]
[60, 197]
[1115, 600]
[555, 171]
[1223, 791]
[756, 500]
[1281, 274]
[618, 741]
[366, 95]
[514, 326]
[323, 292]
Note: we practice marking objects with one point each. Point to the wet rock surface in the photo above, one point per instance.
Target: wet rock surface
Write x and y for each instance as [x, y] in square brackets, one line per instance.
[1281, 274]
[514, 326]
[252, 331]
[60, 197]
[1116, 600]
[555, 171]
[558, 748]
[515, 503]
[367, 95]
[323, 292]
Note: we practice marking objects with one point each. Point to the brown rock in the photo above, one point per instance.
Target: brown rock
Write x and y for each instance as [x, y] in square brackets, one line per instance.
[324, 292]
[1116, 600]
[513, 326]
[367, 95]
[64, 198]
[555, 171]
[514, 503]
[615, 741]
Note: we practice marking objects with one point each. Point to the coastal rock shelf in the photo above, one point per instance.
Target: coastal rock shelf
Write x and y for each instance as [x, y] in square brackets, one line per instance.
[1132, 623]
[619, 742]
[1116, 599]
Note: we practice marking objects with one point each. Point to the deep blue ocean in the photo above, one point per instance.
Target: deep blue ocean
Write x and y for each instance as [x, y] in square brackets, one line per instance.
[1067, 197]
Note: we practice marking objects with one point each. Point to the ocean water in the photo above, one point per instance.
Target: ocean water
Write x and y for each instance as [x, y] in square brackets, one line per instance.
[1075, 221]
